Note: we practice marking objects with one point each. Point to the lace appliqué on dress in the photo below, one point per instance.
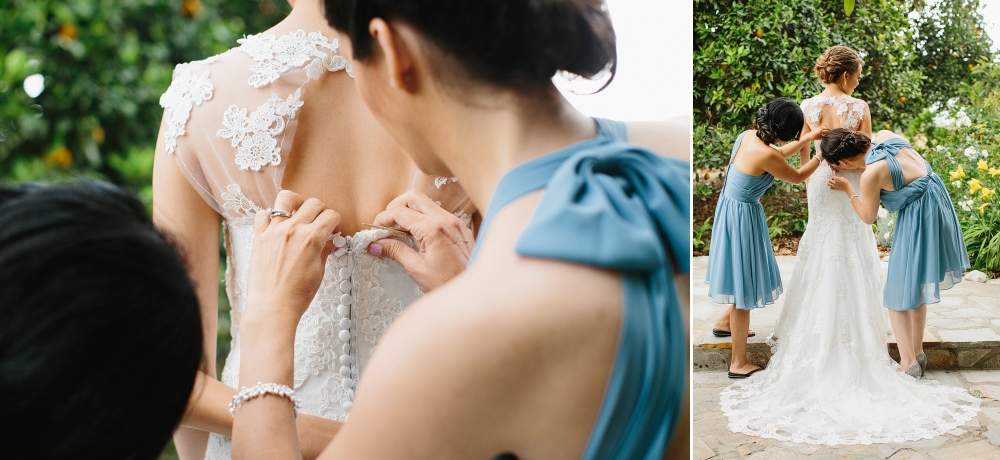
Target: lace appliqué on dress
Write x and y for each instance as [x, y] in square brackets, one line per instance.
[441, 181]
[276, 55]
[256, 136]
[237, 203]
[374, 311]
[186, 91]
[853, 108]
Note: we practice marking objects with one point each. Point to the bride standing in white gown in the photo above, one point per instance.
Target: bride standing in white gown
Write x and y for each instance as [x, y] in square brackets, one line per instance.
[281, 111]
[831, 380]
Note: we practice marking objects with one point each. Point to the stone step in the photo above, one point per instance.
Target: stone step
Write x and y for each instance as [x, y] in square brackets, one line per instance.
[958, 349]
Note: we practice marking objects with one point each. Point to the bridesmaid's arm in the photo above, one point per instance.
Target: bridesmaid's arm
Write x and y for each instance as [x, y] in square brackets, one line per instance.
[802, 145]
[804, 151]
[775, 164]
[208, 411]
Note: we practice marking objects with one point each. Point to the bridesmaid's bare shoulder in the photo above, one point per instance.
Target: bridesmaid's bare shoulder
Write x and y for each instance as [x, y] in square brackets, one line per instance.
[670, 138]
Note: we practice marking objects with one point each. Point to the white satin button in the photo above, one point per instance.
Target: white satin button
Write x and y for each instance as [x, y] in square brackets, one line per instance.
[343, 310]
[344, 336]
[345, 323]
[339, 241]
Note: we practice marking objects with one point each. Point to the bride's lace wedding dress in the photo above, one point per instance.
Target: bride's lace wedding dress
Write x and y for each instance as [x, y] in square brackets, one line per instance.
[831, 380]
[230, 121]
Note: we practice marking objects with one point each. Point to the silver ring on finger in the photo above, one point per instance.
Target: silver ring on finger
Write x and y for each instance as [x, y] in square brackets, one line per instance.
[278, 213]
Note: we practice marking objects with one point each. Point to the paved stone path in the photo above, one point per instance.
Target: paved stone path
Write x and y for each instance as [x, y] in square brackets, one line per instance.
[963, 331]
[963, 336]
[978, 439]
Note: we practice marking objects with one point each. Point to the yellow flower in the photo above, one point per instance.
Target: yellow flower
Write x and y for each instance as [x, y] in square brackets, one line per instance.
[60, 156]
[982, 208]
[987, 193]
[994, 172]
[974, 185]
[982, 165]
[958, 173]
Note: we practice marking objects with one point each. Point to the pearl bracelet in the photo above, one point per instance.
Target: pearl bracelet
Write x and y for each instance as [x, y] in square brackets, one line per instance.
[261, 389]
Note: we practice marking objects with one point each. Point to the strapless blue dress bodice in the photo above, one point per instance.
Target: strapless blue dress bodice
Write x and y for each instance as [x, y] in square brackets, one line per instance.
[742, 269]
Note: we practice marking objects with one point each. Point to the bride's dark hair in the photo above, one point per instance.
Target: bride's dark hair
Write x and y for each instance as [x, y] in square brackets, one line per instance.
[100, 334]
[517, 44]
[780, 120]
[842, 144]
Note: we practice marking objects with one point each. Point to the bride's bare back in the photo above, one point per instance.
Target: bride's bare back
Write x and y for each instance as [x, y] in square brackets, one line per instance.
[280, 111]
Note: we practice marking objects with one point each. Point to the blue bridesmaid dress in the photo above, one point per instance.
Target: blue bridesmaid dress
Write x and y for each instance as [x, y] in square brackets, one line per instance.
[928, 252]
[742, 269]
[618, 206]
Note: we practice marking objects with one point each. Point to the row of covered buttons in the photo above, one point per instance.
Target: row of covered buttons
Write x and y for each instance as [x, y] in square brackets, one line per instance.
[344, 310]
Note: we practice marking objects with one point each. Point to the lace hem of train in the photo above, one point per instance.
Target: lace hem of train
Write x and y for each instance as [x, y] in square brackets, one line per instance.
[830, 380]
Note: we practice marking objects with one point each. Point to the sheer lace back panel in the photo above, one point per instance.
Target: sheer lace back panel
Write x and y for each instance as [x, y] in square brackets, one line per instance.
[231, 122]
[834, 112]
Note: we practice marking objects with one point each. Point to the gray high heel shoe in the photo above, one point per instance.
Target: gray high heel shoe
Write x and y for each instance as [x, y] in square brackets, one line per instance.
[922, 361]
[914, 371]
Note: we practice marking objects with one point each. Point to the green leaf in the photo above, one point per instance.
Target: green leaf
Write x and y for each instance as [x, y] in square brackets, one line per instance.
[848, 7]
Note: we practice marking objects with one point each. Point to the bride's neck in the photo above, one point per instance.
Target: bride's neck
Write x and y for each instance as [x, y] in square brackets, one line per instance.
[833, 89]
[480, 144]
[306, 15]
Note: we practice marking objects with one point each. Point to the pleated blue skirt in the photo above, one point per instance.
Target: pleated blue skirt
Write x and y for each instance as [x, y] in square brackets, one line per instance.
[928, 252]
[742, 269]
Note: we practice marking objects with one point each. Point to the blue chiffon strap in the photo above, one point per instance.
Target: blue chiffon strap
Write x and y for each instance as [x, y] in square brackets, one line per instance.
[617, 206]
[887, 151]
[612, 129]
[732, 156]
[623, 208]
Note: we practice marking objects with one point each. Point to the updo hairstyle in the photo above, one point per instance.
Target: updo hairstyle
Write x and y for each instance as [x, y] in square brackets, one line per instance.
[844, 144]
[780, 120]
[836, 61]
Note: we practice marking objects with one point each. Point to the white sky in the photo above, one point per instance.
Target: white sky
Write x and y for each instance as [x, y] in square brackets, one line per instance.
[654, 79]
[991, 15]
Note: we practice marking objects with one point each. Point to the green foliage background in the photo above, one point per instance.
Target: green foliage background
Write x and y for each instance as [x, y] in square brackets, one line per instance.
[105, 64]
[918, 55]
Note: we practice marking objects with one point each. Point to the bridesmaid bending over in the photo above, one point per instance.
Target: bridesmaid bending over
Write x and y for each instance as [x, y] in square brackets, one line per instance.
[928, 252]
[742, 270]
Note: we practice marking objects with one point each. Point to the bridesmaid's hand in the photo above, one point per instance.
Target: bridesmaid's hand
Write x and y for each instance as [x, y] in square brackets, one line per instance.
[839, 183]
[289, 256]
[445, 241]
[817, 134]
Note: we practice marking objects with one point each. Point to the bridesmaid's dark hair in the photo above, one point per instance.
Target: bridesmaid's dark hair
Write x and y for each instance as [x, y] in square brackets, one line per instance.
[779, 120]
[100, 333]
[517, 44]
[842, 144]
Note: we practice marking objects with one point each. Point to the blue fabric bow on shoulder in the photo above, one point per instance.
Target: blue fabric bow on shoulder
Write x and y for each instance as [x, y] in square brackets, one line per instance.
[618, 206]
